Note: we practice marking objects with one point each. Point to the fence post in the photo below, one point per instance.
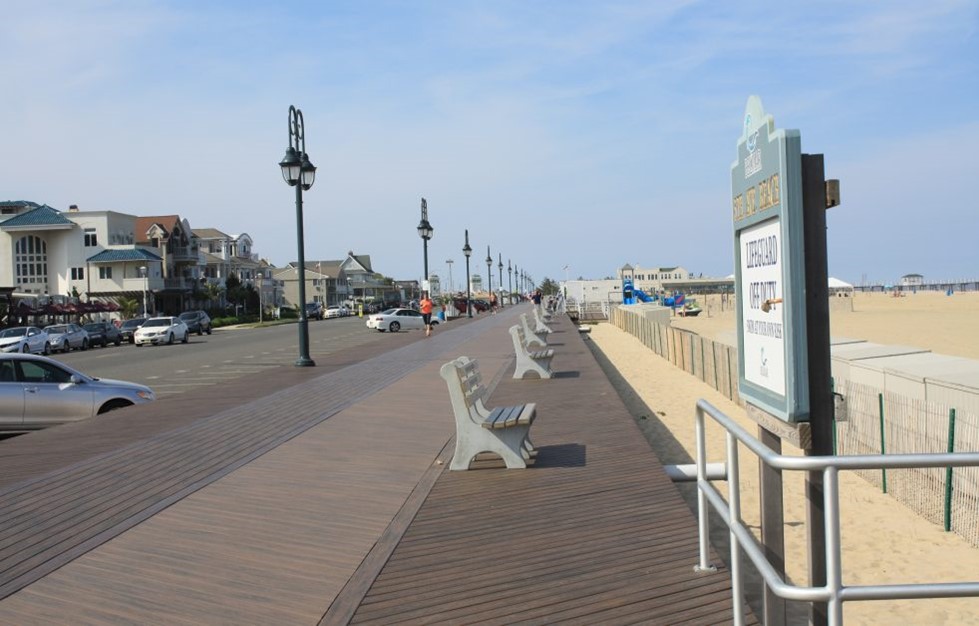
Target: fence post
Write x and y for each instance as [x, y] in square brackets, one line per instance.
[832, 388]
[948, 471]
[883, 448]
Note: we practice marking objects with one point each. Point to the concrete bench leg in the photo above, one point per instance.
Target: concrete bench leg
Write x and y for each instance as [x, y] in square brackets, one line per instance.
[525, 365]
[508, 443]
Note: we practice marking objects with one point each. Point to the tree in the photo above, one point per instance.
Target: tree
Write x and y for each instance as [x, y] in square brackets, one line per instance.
[548, 287]
[128, 307]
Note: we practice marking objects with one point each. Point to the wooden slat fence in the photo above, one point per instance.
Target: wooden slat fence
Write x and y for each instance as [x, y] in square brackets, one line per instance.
[713, 362]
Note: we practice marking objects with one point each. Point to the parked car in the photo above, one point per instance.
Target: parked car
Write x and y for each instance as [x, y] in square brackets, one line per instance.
[24, 339]
[102, 334]
[65, 337]
[157, 330]
[37, 392]
[397, 319]
[128, 328]
[334, 311]
[314, 311]
[197, 322]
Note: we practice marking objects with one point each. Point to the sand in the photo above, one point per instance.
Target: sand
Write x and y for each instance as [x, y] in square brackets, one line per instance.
[884, 542]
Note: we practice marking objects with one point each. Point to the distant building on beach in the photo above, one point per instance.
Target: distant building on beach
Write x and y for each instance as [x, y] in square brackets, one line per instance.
[912, 280]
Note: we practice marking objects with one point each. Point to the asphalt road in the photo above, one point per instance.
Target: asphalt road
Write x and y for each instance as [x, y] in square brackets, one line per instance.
[223, 355]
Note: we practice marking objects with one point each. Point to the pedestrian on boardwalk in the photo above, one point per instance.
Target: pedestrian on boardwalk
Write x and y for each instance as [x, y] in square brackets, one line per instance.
[425, 306]
[493, 303]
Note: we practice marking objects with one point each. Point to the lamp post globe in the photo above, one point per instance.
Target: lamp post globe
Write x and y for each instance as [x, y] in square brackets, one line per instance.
[468, 251]
[299, 172]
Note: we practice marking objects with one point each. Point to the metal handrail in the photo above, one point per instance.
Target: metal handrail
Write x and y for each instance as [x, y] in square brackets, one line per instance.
[834, 593]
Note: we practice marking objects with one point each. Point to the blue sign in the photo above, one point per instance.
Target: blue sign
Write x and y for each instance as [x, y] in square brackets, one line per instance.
[766, 189]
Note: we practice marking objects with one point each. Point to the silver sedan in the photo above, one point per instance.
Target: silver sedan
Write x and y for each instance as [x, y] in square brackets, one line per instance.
[37, 392]
[24, 339]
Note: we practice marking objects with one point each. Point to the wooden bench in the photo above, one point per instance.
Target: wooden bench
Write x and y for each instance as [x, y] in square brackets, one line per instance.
[541, 328]
[504, 430]
[538, 362]
[531, 336]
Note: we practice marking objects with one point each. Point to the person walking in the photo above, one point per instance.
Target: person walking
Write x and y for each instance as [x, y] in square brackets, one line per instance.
[425, 306]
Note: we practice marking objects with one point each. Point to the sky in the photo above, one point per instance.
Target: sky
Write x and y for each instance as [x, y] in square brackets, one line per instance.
[571, 137]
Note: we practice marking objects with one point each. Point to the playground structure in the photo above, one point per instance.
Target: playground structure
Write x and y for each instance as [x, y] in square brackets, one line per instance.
[630, 294]
[678, 301]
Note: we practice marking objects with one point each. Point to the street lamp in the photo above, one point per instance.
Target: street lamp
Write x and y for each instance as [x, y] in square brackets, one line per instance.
[425, 231]
[449, 262]
[509, 271]
[501, 279]
[466, 250]
[298, 172]
[142, 272]
[489, 272]
[259, 278]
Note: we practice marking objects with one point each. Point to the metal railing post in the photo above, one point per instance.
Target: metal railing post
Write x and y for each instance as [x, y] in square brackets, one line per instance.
[704, 565]
[834, 550]
[948, 471]
[734, 517]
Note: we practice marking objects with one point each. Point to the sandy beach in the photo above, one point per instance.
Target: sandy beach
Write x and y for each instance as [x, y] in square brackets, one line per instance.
[884, 542]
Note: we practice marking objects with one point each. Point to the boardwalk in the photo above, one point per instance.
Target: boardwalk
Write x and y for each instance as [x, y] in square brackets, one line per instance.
[321, 496]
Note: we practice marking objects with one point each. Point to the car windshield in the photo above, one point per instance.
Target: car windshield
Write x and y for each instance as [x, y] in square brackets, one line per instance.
[92, 327]
[131, 323]
[160, 321]
[188, 316]
[56, 330]
[14, 332]
[389, 312]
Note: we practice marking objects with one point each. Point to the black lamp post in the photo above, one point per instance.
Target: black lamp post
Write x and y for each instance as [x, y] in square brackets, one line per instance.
[425, 231]
[509, 271]
[298, 172]
[489, 272]
[501, 279]
[466, 250]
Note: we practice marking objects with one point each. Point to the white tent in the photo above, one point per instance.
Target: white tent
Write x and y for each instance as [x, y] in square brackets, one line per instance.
[837, 285]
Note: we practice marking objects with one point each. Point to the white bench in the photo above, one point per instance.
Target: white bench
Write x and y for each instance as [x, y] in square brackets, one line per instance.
[538, 362]
[504, 430]
[531, 336]
[541, 328]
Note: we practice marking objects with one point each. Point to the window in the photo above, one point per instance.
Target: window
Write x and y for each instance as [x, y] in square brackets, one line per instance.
[42, 372]
[31, 260]
[105, 272]
[91, 238]
[78, 273]
[7, 374]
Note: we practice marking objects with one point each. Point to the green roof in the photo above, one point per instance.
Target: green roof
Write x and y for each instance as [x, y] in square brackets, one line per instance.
[127, 254]
[41, 216]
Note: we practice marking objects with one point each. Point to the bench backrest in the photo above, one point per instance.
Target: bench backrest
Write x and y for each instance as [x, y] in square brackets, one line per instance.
[519, 339]
[466, 390]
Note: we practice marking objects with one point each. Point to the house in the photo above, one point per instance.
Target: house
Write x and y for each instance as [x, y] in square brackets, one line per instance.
[171, 239]
[226, 255]
[87, 255]
[325, 282]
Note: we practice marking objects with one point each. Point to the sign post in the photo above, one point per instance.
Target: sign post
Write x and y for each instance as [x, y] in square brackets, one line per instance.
[770, 287]
[779, 204]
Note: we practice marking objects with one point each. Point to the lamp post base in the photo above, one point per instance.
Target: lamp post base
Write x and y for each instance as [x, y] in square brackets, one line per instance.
[304, 361]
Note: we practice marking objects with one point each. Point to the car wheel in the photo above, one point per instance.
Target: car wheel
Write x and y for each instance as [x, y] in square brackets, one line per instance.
[26, 349]
[170, 339]
[208, 330]
[117, 342]
[200, 332]
[84, 344]
[394, 327]
[112, 405]
[47, 349]
[186, 338]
